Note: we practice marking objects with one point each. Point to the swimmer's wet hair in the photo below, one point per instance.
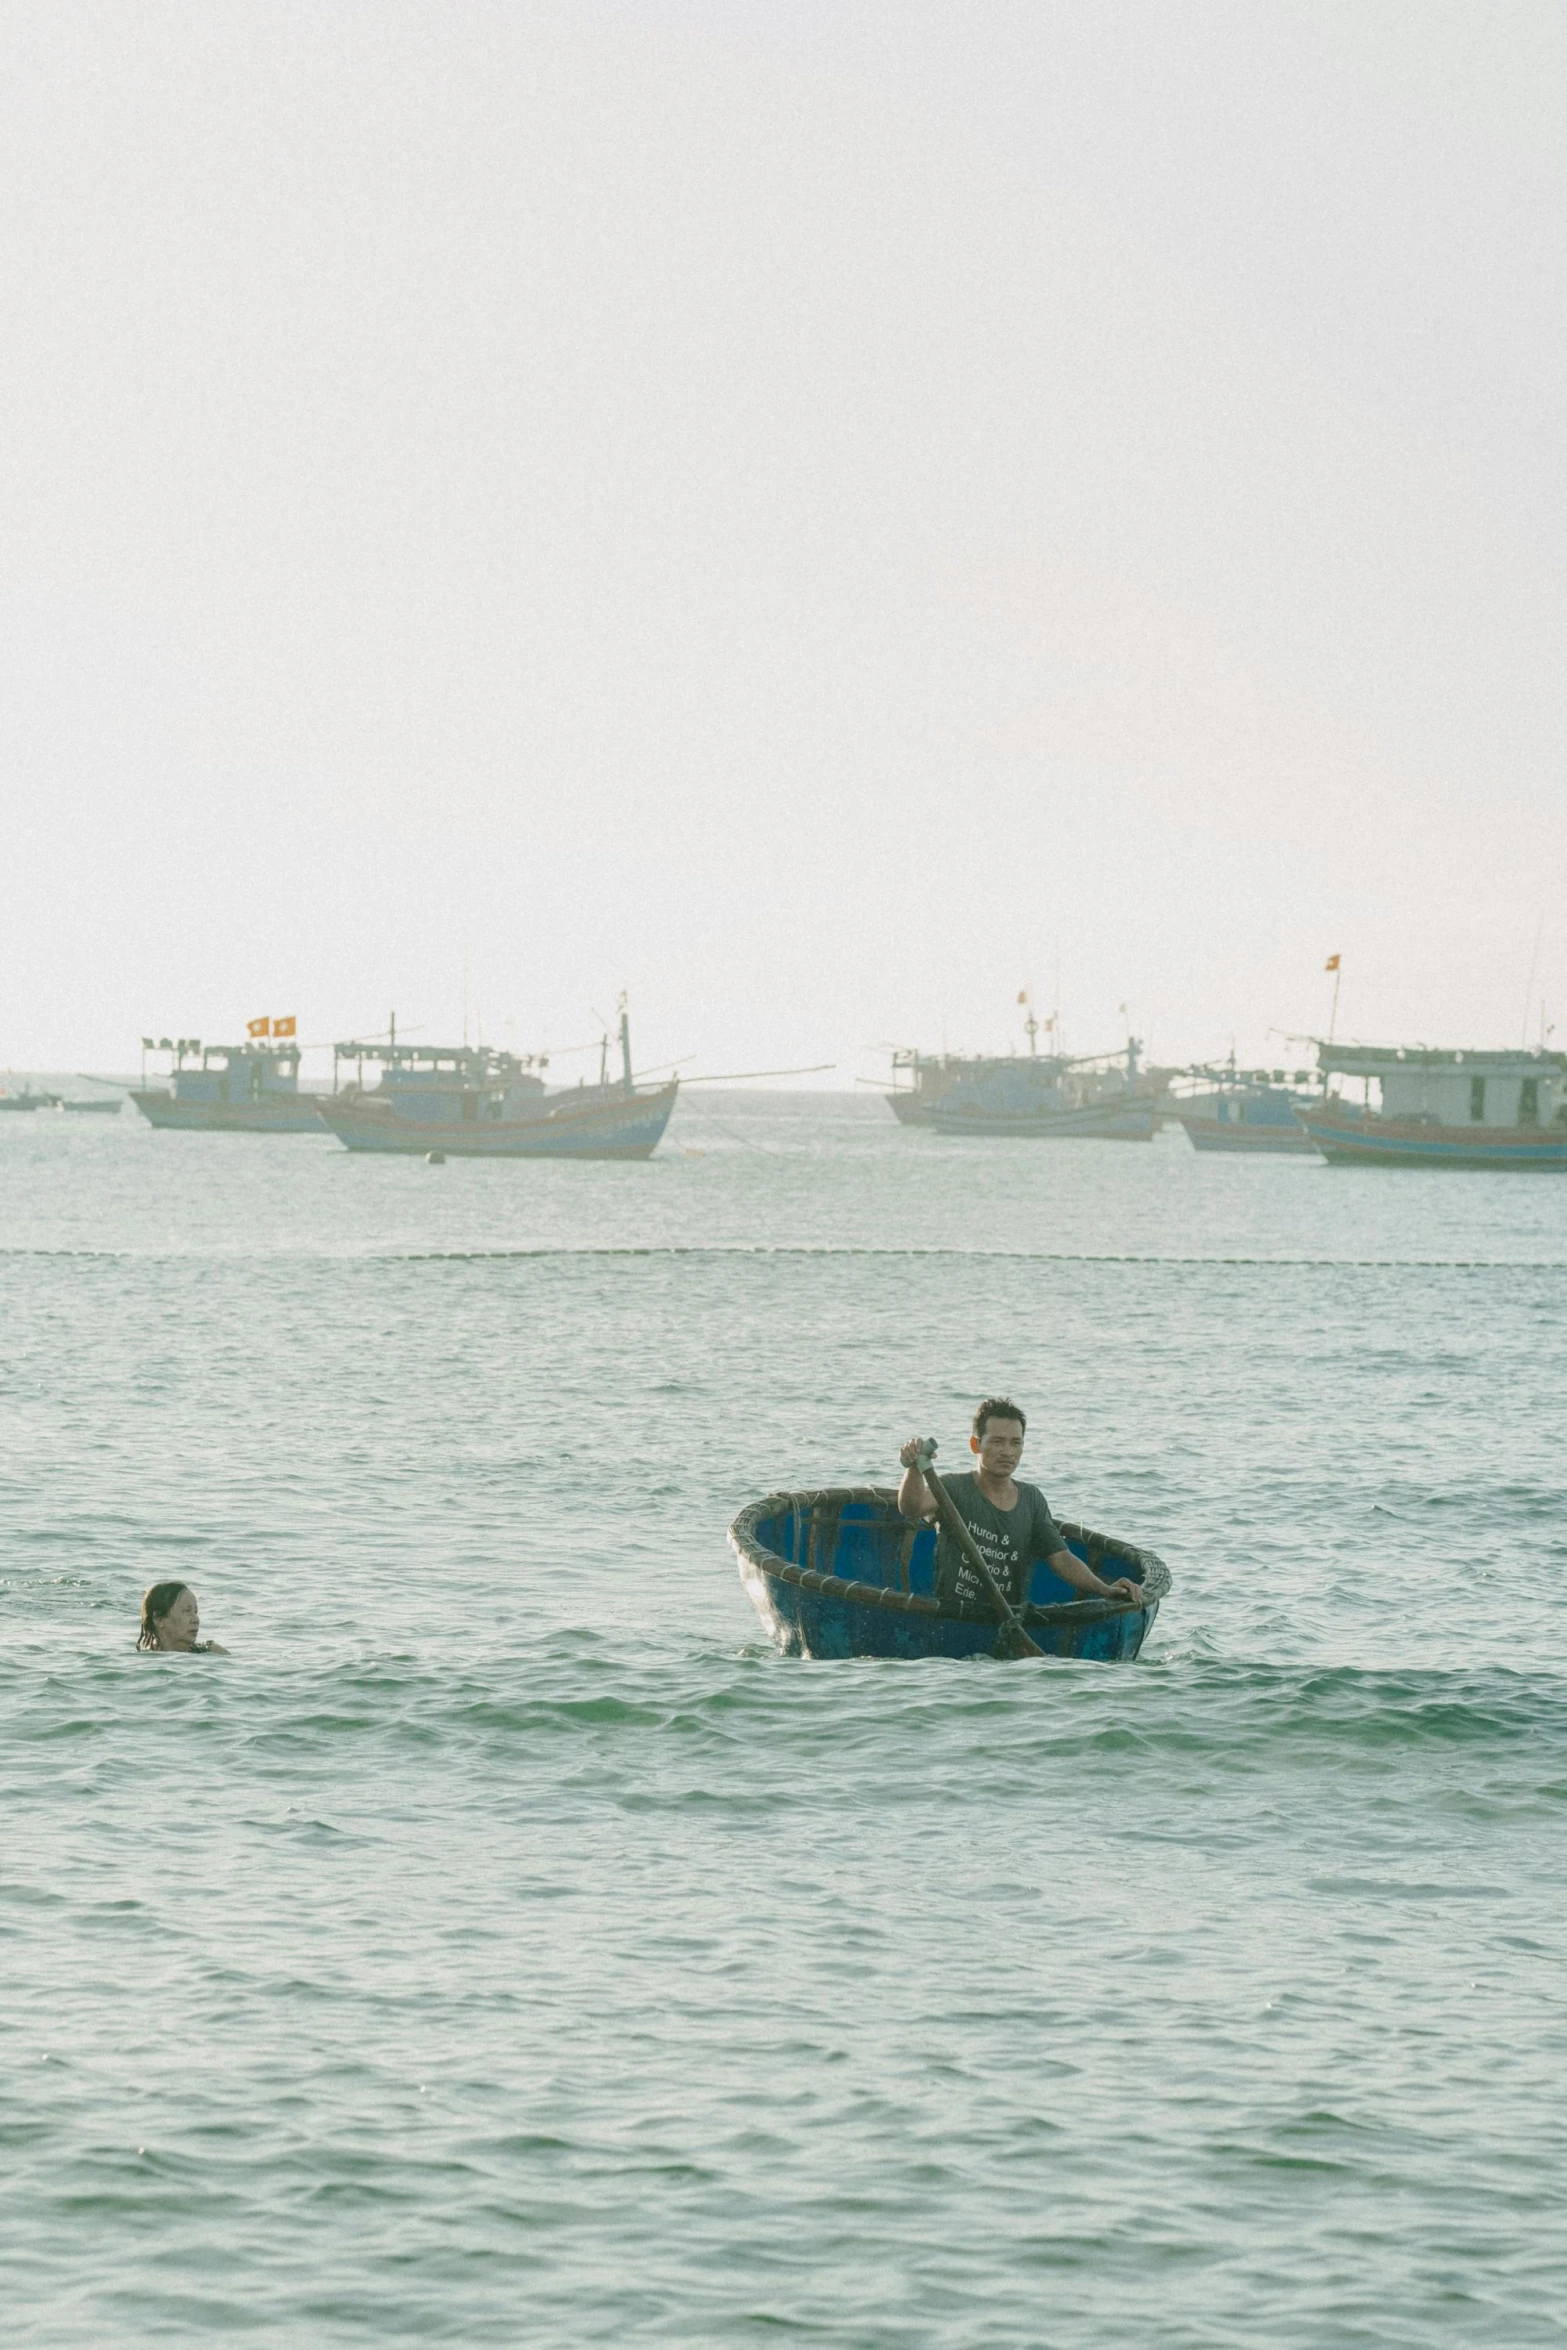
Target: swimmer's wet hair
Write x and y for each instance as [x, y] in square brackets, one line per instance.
[999, 1407]
[157, 1604]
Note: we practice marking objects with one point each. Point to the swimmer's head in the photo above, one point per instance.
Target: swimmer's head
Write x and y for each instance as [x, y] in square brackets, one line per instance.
[170, 1617]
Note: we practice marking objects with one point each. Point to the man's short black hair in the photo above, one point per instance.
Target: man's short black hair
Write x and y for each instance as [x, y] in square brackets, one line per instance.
[998, 1407]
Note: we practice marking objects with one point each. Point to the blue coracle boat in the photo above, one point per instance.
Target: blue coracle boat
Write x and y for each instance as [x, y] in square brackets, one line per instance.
[840, 1573]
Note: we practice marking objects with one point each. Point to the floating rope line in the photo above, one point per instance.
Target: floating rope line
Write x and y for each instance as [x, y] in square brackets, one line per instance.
[827, 1250]
[1022, 1256]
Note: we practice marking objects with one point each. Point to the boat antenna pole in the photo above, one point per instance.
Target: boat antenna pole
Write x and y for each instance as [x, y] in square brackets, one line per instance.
[1528, 993]
[625, 1042]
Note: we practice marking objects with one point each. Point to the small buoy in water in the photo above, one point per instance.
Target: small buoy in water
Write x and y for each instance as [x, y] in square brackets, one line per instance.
[435, 1158]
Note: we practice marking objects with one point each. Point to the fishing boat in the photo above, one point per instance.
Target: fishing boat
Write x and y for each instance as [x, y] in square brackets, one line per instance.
[1230, 1109]
[1442, 1109]
[1048, 1096]
[250, 1088]
[470, 1101]
[841, 1573]
[1107, 1097]
[27, 1099]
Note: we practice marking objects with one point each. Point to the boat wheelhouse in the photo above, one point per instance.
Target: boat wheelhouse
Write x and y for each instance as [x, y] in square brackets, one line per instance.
[1442, 1109]
[248, 1088]
[471, 1101]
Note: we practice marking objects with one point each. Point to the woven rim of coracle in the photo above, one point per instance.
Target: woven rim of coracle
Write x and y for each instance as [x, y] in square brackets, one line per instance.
[755, 1555]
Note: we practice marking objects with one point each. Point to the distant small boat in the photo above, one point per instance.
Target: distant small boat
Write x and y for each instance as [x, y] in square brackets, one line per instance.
[1444, 1109]
[28, 1100]
[839, 1573]
[103, 1109]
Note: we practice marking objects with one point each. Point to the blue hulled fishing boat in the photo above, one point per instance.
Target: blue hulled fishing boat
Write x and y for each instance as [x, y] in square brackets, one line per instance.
[250, 1088]
[840, 1573]
[469, 1101]
[1230, 1109]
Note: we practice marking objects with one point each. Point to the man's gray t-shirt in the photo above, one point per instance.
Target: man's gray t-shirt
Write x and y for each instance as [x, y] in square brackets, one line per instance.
[1009, 1541]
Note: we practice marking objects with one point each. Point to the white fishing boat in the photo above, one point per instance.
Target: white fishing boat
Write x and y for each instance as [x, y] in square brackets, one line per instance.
[1442, 1109]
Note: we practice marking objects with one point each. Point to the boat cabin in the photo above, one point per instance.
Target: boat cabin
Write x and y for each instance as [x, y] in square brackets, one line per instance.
[1243, 1097]
[432, 1084]
[1511, 1089]
[229, 1073]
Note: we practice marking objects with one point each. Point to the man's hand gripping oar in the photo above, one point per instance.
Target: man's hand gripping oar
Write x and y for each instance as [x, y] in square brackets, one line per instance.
[1012, 1632]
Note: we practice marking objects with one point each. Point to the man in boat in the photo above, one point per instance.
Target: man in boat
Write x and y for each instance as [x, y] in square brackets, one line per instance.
[1010, 1521]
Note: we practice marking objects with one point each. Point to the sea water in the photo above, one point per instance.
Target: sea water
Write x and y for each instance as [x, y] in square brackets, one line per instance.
[504, 1945]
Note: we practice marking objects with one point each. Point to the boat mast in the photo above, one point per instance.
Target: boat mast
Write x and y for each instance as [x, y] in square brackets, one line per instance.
[625, 1041]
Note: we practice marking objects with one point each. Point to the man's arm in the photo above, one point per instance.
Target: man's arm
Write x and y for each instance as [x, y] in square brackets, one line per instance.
[915, 1498]
[1072, 1570]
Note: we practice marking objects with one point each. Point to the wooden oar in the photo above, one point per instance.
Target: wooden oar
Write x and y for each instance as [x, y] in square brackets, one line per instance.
[1011, 1622]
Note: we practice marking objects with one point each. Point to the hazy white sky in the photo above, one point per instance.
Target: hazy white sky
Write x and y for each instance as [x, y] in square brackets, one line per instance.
[813, 511]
